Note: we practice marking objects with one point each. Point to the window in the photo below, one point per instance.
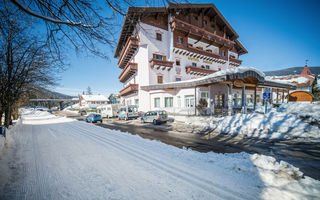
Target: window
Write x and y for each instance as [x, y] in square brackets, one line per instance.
[204, 22]
[160, 79]
[202, 66]
[209, 50]
[159, 36]
[207, 67]
[204, 95]
[190, 45]
[157, 56]
[189, 101]
[179, 101]
[136, 102]
[168, 102]
[223, 53]
[194, 64]
[178, 62]
[178, 79]
[180, 40]
[195, 17]
[200, 48]
[157, 102]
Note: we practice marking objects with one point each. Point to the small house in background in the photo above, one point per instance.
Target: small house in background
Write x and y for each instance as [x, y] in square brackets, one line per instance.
[92, 101]
[303, 81]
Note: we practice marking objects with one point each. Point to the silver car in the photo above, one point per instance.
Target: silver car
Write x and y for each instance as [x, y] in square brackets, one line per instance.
[155, 117]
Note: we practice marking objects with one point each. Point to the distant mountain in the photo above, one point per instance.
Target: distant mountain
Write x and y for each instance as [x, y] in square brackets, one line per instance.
[291, 71]
[48, 94]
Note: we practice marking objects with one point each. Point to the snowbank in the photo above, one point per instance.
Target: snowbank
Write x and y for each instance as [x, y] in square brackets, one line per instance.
[2, 141]
[290, 120]
[29, 116]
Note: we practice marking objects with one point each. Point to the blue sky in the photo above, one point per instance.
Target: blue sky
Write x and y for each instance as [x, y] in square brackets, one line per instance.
[278, 34]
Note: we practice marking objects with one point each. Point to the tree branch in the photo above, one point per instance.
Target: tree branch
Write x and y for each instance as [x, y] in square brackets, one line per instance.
[50, 19]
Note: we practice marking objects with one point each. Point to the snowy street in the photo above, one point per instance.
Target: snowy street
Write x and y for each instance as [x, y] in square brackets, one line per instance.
[48, 157]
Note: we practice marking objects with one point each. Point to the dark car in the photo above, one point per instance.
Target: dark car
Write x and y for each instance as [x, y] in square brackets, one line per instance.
[93, 118]
[155, 117]
[82, 112]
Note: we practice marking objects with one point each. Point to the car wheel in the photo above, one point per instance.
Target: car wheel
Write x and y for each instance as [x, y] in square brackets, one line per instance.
[155, 122]
[101, 121]
[142, 121]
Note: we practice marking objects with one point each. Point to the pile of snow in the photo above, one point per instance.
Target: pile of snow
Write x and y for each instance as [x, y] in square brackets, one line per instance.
[74, 106]
[299, 79]
[302, 109]
[2, 141]
[30, 116]
[273, 125]
[290, 121]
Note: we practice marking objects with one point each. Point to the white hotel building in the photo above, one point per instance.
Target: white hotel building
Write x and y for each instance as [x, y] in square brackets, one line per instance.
[173, 56]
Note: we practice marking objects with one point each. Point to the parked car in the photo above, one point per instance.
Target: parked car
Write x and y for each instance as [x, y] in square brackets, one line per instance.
[128, 112]
[82, 112]
[155, 117]
[93, 118]
[110, 110]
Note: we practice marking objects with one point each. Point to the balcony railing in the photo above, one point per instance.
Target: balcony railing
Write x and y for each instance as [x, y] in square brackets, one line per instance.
[163, 64]
[192, 29]
[199, 71]
[128, 71]
[198, 53]
[235, 61]
[128, 50]
[131, 88]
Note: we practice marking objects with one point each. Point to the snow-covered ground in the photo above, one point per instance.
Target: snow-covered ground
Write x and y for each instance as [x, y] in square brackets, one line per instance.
[66, 159]
[289, 121]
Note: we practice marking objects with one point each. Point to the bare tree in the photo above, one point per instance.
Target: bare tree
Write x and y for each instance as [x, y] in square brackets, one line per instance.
[82, 23]
[25, 60]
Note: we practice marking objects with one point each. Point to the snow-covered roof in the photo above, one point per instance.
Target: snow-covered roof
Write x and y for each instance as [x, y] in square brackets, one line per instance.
[298, 80]
[94, 97]
[223, 75]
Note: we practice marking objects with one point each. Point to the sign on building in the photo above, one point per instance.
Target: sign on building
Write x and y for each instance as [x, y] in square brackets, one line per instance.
[266, 93]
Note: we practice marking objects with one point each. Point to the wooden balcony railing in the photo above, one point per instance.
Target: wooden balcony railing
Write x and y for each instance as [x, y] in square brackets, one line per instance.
[199, 71]
[199, 53]
[197, 31]
[235, 61]
[127, 51]
[131, 88]
[128, 71]
[163, 64]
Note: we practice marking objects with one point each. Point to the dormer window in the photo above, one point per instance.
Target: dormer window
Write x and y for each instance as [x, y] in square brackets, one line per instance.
[195, 18]
[180, 40]
[209, 50]
[223, 53]
[190, 45]
[158, 57]
[159, 36]
[178, 62]
[200, 48]
[194, 64]
[204, 22]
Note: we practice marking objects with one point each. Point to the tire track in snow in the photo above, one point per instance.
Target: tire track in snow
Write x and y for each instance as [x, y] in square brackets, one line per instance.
[136, 152]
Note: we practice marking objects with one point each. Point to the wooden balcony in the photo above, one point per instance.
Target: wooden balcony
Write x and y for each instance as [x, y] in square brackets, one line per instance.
[127, 51]
[177, 24]
[163, 64]
[235, 61]
[128, 71]
[199, 71]
[198, 53]
[131, 88]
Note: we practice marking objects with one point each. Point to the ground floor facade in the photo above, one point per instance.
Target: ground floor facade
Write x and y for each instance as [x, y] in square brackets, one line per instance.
[207, 96]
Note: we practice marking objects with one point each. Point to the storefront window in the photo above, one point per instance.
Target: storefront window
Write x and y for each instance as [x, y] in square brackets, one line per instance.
[168, 102]
[189, 101]
[157, 102]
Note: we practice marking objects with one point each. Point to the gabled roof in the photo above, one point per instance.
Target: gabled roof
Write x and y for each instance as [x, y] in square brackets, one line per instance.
[135, 13]
[306, 71]
[94, 97]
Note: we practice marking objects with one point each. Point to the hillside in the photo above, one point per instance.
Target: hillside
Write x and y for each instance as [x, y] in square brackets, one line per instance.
[48, 94]
[292, 70]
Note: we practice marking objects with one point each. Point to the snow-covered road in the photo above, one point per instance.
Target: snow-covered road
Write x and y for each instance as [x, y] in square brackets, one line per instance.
[75, 160]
